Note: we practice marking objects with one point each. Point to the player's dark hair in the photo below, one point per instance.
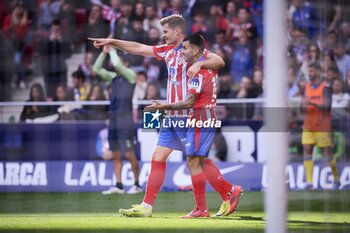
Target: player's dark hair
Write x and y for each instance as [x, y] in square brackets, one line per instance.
[197, 40]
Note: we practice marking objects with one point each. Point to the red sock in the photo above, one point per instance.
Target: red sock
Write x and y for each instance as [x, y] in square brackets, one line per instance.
[214, 177]
[198, 182]
[155, 181]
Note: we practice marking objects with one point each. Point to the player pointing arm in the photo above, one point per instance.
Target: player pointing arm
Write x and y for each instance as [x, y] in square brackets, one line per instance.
[171, 35]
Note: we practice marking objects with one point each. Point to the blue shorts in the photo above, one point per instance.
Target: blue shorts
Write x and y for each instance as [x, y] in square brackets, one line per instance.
[199, 141]
[121, 133]
[173, 137]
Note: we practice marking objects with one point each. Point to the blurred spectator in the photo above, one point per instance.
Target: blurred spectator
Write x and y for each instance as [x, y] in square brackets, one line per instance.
[47, 13]
[245, 91]
[327, 61]
[231, 11]
[257, 15]
[342, 59]
[16, 27]
[301, 87]
[340, 100]
[96, 112]
[199, 25]
[242, 23]
[123, 24]
[329, 43]
[216, 21]
[293, 88]
[95, 27]
[151, 20]
[152, 91]
[80, 88]
[54, 52]
[258, 92]
[139, 92]
[332, 74]
[298, 45]
[36, 94]
[67, 16]
[258, 81]
[137, 33]
[60, 95]
[141, 86]
[242, 62]
[4, 11]
[6, 69]
[115, 5]
[312, 55]
[176, 7]
[221, 42]
[225, 86]
[305, 18]
[153, 37]
[151, 63]
[32, 7]
[139, 11]
[220, 51]
[164, 8]
[86, 67]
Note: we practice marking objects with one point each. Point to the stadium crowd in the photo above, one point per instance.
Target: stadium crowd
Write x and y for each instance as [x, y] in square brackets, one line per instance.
[38, 36]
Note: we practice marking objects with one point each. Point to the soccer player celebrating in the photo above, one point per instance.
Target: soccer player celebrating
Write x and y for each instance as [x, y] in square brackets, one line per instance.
[169, 139]
[317, 123]
[202, 93]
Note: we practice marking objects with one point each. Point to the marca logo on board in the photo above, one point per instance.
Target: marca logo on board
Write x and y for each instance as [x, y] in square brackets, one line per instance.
[78, 176]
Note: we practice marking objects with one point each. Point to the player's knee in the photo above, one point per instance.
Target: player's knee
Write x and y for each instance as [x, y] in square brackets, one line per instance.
[159, 156]
[193, 162]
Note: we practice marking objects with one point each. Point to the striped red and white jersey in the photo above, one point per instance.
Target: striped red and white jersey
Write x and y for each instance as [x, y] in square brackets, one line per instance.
[205, 87]
[177, 78]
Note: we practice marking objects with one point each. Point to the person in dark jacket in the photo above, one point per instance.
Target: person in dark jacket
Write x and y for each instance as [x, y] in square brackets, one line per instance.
[36, 94]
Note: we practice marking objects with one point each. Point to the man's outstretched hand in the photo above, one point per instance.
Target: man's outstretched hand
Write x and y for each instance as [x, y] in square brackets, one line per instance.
[154, 106]
[100, 42]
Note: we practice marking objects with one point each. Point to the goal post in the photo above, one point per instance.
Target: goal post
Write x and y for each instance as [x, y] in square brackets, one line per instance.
[275, 68]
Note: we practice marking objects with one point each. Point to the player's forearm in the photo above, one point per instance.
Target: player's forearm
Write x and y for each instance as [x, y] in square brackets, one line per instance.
[214, 62]
[132, 47]
[177, 106]
[185, 104]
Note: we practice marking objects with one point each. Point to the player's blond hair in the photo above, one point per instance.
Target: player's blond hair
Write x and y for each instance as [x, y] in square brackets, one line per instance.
[174, 21]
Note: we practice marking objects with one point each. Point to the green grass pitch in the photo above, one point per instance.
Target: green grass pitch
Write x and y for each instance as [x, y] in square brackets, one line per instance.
[92, 212]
